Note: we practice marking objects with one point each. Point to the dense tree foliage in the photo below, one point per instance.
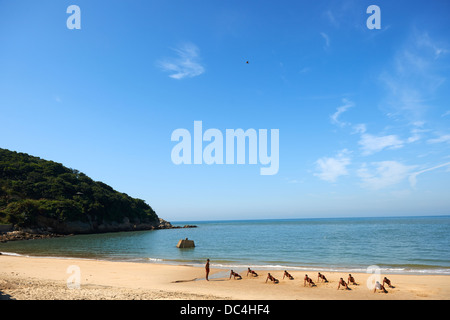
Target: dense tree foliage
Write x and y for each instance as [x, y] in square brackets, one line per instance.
[32, 187]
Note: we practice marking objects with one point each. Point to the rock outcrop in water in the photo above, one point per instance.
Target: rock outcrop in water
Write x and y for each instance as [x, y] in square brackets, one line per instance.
[185, 243]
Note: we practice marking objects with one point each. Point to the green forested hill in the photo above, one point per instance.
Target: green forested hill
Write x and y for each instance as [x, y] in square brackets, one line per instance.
[38, 193]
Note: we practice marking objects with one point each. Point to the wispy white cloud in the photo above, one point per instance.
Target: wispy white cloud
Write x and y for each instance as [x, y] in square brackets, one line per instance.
[305, 70]
[413, 176]
[412, 79]
[440, 139]
[371, 144]
[326, 38]
[292, 181]
[413, 138]
[335, 116]
[383, 174]
[360, 128]
[332, 168]
[185, 64]
[437, 48]
[331, 18]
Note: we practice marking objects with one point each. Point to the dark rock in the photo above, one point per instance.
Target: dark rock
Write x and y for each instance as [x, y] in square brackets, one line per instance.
[50, 228]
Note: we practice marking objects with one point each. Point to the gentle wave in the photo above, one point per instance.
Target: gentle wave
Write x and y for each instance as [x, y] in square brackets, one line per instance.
[13, 254]
[408, 269]
[369, 269]
[155, 260]
[434, 271]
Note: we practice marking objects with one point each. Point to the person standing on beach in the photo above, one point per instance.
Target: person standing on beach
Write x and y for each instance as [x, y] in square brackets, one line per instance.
[207, 269]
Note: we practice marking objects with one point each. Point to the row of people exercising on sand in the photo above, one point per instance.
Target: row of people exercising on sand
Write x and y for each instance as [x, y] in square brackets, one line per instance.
[320, 277]
[351, 280]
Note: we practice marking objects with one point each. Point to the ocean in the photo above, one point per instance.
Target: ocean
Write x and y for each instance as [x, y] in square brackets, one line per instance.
[407, 245]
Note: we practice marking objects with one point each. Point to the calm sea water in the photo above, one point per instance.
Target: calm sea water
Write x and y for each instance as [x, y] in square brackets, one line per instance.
[396, 245]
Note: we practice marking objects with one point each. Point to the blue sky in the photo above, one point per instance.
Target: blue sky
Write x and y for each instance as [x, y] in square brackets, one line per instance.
[363, 115]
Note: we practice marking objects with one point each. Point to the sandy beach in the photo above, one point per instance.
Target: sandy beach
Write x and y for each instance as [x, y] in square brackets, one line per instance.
[35, 278]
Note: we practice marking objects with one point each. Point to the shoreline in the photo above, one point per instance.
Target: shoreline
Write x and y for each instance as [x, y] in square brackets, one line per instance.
[35, 278]
[342, 269]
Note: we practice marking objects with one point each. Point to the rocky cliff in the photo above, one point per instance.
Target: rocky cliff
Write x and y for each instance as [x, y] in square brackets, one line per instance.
[44, 197]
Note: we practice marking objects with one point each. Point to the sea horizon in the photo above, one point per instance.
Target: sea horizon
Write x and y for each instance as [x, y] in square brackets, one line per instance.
[184, 222]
